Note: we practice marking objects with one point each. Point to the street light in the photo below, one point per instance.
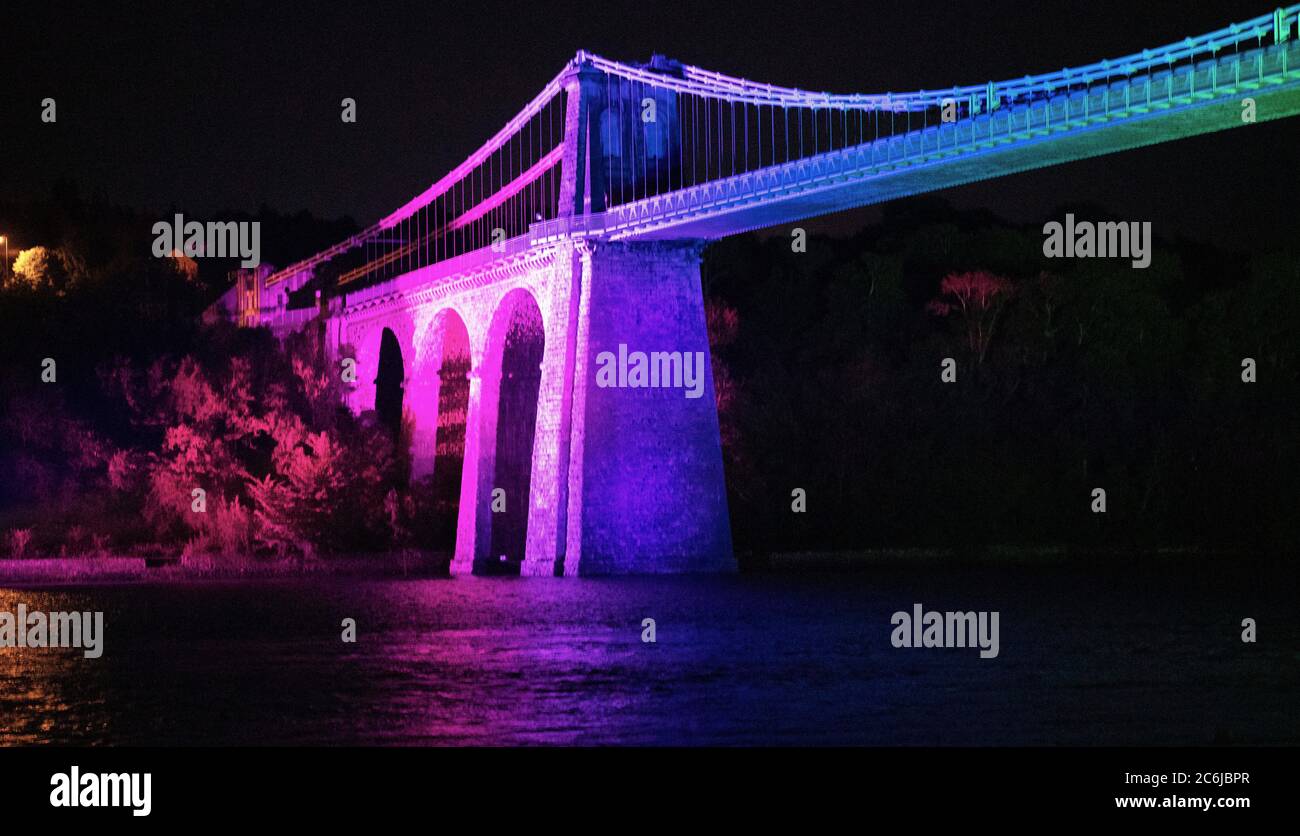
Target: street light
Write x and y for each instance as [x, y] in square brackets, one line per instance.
[5, 241]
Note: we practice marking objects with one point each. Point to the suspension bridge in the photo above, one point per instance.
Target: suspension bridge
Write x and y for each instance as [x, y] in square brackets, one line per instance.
[473, 312]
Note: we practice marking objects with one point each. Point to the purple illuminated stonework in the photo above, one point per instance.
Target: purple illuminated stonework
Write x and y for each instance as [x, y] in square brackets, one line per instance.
[480, 306]
[618, 480]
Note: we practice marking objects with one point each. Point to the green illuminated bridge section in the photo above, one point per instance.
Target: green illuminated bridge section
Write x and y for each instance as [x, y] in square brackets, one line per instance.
[1127, 113]
[664, 150]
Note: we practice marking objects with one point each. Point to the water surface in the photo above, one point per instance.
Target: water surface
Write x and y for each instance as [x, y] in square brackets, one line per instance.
[1086, 657]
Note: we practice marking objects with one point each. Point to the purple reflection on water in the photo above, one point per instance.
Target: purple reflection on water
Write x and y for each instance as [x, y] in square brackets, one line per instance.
[780, 659]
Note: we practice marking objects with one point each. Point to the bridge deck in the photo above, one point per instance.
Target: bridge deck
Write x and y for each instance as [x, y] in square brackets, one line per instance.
[1129, 113]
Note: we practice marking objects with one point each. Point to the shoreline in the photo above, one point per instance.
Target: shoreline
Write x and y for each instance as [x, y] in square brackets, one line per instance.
[66, 571]
[137, 568]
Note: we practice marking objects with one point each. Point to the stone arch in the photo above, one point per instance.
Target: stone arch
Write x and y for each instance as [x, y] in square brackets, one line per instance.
[362, 348]
[390, 381]
[363, 344]
[511, 378]
[438, 405]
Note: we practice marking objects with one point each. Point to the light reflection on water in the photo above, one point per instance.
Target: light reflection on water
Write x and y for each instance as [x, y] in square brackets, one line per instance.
[39, 687]
[788, 659]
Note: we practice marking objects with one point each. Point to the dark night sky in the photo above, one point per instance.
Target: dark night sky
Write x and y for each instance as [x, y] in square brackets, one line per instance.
[225, 106]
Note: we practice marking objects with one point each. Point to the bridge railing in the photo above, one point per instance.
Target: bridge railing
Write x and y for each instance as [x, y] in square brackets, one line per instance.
[668, 126]
[1279, 25]
[667, 130]
[1067, 110]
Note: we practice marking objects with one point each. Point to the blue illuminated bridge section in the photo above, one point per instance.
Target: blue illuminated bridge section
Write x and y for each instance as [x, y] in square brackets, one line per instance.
[664, 150]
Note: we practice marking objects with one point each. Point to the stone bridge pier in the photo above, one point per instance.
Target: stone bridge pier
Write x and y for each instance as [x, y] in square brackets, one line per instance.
[499, 365]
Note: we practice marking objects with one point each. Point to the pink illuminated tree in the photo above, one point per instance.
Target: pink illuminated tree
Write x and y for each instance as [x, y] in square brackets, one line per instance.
[978, 297]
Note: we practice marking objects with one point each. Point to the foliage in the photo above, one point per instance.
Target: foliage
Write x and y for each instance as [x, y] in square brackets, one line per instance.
[150, 406]
[1072, 374]
[48, 268]
[977, 297]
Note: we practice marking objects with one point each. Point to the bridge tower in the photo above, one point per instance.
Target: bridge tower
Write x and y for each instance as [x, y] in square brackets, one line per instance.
[645, 486]
[623, 480]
